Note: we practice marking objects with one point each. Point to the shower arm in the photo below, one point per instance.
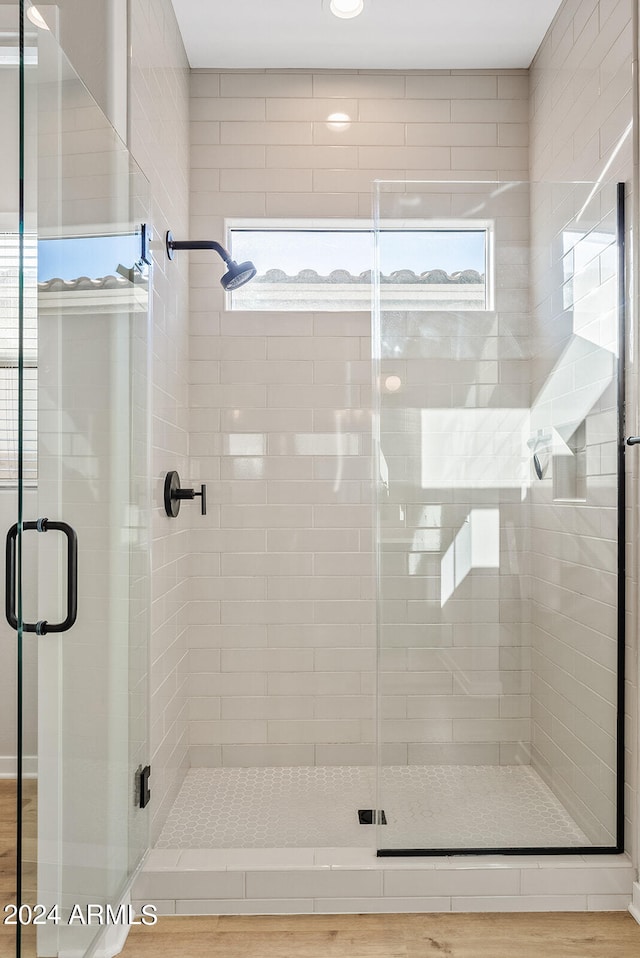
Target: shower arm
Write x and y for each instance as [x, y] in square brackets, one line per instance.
[173, 245]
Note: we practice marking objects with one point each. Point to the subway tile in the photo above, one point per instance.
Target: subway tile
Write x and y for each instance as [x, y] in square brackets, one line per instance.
[314, 730]
[205, 154]
[265, 181]
[271, 564]
[314, 587]
[453, 87]
[313, 884]
[218, 683]
[204, 83]
[452, 882]
[499, 158]
[243, 906]
[519, 903]
[212, 108]
[227, 732]
[352, 660]
[312, 157]
[513, 87]
[344, 706]
[265, 612]
[358, 134]
[266, 755]
[428, 111]
[189, 884]
[310, 683]
[466, 110]
[312, 540]
[358, 906]
[350, 84]
[266, 84]
[579, 881]
[452, 134]
[346, 754]
[267, 660]
[308, 108]
[204, 134]
[312, 204]
[310, 635]
[296, 133]
[266, 707]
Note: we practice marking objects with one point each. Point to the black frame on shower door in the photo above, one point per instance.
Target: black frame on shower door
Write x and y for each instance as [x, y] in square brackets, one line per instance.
[622, 442]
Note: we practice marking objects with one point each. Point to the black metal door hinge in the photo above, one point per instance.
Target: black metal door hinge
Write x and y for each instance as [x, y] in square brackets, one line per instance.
[143, 791]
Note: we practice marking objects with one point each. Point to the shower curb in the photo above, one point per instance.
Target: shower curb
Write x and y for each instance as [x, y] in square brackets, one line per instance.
[333, 881]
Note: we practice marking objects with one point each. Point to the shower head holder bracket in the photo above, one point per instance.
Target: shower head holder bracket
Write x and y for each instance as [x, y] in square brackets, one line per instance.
[237, 273]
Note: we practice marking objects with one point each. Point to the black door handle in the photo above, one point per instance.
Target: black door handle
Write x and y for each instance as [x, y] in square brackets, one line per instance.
[42, 627]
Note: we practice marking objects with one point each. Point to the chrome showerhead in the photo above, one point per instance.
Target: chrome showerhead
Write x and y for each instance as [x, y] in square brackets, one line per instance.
[237, 273]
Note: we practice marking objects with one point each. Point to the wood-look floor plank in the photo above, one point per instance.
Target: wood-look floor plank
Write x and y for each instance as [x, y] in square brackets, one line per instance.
[556, 935]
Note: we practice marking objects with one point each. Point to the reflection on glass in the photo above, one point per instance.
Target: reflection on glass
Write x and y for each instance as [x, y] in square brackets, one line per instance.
[497, 531]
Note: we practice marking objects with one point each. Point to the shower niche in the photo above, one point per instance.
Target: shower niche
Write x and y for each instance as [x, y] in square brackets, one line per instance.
[500, 526]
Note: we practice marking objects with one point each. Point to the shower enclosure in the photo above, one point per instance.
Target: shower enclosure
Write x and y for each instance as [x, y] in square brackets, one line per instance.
[500, 518]
[75, 502]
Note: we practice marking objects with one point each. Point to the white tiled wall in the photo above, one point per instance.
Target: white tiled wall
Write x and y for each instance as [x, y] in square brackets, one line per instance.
[282, 643]
[581, 106]
[454, 615]
[159, 141]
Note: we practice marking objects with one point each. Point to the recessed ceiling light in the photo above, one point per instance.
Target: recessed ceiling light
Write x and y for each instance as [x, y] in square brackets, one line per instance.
[36, 18]
[346, 9]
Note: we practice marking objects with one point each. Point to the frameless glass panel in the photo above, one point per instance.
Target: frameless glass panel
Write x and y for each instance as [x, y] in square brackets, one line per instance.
[86, 416]
[498, 506]
[13, 297]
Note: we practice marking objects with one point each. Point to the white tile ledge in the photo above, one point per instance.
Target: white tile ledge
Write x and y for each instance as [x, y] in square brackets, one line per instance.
[304, 880]
[256, 859]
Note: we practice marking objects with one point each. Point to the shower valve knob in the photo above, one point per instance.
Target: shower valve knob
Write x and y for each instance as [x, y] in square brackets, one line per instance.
[174, 494]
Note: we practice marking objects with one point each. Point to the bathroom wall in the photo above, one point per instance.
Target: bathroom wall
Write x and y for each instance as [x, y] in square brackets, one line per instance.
[159, 141]
[454, 616]
[93, 35]
[581, 108]
[282, 645]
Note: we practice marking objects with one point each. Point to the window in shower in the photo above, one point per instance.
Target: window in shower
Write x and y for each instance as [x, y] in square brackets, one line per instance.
[314, 265]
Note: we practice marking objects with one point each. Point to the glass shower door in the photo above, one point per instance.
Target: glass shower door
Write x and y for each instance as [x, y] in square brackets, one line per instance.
[500, 467]
[79, 553]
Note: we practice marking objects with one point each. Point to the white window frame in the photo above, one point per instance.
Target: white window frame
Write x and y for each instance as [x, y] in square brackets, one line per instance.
[367, 225]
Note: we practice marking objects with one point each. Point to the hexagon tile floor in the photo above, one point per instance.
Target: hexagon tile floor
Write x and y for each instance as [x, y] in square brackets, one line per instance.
[442, 806]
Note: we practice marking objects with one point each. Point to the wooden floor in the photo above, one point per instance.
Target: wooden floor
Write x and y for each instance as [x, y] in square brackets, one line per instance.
[575, 935]
[7, 860]
[8, 823]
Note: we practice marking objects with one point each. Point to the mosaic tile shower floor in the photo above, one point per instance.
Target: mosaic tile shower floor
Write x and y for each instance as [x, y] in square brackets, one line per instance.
[426, 806]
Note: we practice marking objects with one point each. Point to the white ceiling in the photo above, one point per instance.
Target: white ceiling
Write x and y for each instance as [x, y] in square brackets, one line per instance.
[389, 34]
